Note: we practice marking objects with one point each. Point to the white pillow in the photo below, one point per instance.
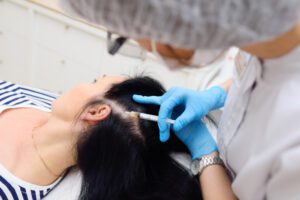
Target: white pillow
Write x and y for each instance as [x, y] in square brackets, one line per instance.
[68, 188]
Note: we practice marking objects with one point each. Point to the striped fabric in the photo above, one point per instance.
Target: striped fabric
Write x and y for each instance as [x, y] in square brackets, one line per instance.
[16, 96]
[13, 95]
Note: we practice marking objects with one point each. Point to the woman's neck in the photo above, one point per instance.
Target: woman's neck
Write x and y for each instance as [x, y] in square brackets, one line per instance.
[54, 145]
[277, 47]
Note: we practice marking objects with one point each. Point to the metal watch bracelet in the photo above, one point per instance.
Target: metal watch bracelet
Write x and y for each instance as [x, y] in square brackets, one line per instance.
[199, 165]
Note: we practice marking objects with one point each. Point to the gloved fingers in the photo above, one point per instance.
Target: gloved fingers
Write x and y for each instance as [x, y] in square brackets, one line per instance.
[165, 112]
[156, 100]
[184, 119]
[164, 131]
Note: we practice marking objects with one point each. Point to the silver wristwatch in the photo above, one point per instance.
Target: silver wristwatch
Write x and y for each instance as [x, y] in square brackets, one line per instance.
[198, 165]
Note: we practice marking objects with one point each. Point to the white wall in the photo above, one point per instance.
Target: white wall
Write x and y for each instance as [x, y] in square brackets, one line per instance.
[46, 49]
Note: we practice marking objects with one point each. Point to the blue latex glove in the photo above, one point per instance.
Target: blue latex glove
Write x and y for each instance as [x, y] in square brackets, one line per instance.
[197, 139]
[194, 104]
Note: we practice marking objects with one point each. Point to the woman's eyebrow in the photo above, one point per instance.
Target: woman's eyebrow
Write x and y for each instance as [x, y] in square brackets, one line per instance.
[96, 79]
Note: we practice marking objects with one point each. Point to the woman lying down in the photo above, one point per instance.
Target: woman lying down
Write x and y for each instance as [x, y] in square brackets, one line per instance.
[120, 157]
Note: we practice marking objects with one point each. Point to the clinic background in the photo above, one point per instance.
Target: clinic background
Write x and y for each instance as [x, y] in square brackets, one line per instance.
[43, 47]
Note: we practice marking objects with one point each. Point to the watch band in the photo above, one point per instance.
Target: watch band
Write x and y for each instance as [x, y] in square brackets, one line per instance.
[199, 165]
[208, 161]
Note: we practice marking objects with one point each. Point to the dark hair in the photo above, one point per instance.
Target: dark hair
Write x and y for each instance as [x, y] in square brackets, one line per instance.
[123, 159]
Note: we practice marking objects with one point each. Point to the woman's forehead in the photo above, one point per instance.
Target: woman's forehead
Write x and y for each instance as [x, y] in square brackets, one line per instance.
[113, 79]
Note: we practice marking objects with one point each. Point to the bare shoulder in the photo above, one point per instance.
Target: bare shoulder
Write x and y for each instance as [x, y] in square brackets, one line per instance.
[15, 129]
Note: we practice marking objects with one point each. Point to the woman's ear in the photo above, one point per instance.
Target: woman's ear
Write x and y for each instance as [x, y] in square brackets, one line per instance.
[95, 114]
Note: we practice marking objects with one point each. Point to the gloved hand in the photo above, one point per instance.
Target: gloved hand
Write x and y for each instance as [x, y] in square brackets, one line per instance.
[197, 139]
[195, 105]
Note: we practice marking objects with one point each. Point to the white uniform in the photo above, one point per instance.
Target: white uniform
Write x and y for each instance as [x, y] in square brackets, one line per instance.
[259, 133]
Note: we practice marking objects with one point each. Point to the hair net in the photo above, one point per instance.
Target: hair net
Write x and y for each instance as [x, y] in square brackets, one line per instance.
[192, 24]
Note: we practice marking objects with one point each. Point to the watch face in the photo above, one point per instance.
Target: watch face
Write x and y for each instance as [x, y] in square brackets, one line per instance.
[195, 165]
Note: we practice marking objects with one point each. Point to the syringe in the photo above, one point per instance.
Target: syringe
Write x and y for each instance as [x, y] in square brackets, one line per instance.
[148, 117]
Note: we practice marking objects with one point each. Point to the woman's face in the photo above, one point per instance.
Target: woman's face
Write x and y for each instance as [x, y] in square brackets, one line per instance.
[71, 103]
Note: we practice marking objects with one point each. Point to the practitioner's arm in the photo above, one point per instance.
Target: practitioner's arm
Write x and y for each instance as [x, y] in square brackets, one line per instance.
[215, 183]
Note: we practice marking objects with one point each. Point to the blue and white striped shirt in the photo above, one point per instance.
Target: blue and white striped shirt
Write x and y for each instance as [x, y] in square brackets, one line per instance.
[16, 96]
